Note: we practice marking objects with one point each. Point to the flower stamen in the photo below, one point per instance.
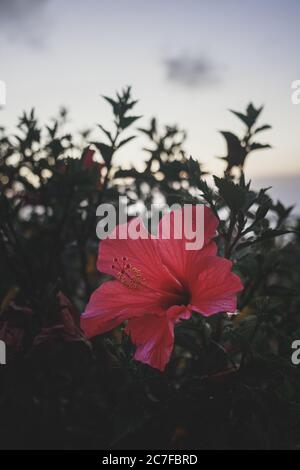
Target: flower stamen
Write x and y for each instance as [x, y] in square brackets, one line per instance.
[129, 275]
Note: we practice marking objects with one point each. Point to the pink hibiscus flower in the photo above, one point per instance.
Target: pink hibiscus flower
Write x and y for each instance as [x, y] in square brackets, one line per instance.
[158, 282]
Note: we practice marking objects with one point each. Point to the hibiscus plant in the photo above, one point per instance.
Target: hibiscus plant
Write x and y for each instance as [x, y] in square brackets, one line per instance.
[140, 343]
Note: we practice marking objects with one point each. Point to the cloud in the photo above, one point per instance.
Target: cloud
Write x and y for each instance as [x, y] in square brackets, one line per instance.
[191, 71]
[22, 20]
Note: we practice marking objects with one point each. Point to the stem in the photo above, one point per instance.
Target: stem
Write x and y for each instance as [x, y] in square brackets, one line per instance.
[251, 292]
[83, 238]
[219, 346]
[248, 348]
[219, 328]
[229, 235]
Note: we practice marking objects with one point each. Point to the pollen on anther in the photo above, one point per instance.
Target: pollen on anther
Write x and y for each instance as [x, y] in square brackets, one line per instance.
[128, 274]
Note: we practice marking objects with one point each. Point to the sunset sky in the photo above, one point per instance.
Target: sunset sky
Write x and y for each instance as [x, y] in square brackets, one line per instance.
[187, 61]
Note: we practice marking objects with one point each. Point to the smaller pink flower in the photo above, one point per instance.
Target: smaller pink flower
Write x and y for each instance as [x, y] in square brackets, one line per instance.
[14, 323]
[66, 328]
[88, 158]
[157, 284]
[89, 163]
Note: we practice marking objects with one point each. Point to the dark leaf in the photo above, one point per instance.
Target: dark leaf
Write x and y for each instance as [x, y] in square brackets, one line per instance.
[126, 141]
[127, 121]
[257, 146]
[233, 194]
[236, 153]
[106, 151]
[262, 128]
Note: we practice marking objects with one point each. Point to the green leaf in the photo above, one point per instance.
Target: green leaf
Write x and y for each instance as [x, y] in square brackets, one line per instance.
[258, 146]
[125, 141]
[241, 116]
[152, 131]
[263, 210]
[106, 152]
[262, 128]
[236, 153]
[250, 117]
[131, 173]
[106, 132]
[253, 114]
[233, 194]
[194, 170]
[267, 235]
[127, 121]
[114, 104]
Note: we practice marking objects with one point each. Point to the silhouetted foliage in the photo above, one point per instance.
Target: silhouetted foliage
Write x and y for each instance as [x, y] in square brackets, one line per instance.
[230, 383]
[238, 149]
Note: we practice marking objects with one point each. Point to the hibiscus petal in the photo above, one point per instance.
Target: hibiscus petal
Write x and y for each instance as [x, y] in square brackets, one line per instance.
[215, 288]
[141, 254]
[174, 252]
[178, 312]
[154, 338]
[112, 303]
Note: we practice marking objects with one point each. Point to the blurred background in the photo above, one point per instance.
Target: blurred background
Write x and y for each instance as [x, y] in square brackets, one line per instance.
[188, 62]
